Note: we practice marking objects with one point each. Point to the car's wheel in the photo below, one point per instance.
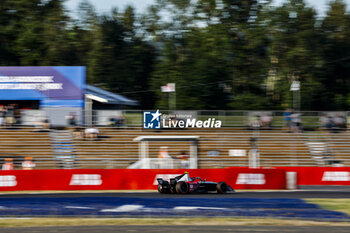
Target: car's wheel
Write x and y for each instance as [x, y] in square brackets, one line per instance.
[182, 187]
[160, 188]
[173, 190]
[221, 187]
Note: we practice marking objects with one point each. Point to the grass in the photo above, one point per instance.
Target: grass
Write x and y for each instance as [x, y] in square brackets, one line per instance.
[341, 205]
[33, 222]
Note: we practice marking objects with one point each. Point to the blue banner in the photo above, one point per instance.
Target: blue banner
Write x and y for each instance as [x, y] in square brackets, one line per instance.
[53, 86]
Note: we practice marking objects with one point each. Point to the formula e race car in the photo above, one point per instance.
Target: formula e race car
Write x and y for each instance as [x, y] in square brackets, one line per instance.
[183, 184]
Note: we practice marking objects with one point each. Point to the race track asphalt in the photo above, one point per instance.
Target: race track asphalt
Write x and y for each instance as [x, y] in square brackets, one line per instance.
[182, 229]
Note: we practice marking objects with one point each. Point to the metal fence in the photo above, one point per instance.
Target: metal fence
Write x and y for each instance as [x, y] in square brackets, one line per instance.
[134, 118]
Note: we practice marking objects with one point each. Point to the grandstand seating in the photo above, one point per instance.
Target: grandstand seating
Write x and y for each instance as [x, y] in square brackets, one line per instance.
[19, 143]
[116, 148]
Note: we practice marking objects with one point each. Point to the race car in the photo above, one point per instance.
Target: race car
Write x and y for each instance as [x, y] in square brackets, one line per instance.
[183, 184]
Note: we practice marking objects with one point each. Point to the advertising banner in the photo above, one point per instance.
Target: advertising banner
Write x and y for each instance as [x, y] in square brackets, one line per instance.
[134, 179]
[53, 86]
[321, 175]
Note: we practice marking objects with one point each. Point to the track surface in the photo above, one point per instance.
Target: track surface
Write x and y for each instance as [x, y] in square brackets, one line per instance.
[182, 229]
[244, 204]
[277, 194]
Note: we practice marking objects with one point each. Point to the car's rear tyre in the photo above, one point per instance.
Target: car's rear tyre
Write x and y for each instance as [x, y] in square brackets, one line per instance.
[182, 187]
[221, 187]
[173, 190]
[160, 188]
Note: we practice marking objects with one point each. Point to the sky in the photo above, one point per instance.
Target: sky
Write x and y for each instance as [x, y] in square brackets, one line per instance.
[104, 6]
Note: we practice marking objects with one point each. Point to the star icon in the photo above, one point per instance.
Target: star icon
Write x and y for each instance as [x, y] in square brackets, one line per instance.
[156, 115]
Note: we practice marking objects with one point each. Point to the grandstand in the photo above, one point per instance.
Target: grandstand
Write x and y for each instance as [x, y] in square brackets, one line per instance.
[116, 148]
[18, 143]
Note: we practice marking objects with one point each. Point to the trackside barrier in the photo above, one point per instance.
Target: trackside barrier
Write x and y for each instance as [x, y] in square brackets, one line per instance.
[134, 179]
[141, 179]
[321, 175]
[291, 180]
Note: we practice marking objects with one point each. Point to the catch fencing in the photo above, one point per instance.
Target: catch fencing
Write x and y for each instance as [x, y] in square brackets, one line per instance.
[133, 118]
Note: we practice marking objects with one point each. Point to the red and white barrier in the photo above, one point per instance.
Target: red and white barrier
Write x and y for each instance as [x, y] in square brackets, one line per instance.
[134, 179]
[141, 179]
[321, 175]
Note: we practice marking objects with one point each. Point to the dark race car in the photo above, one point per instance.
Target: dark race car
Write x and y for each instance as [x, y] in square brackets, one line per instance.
[183, 184]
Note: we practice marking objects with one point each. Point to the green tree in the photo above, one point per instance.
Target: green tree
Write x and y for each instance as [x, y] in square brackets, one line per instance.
[295, 53]
[336, 53]
[121, 61]
[7, 33]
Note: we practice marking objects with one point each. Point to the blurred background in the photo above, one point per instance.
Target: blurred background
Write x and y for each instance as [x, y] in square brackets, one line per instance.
[280, 66]
[222, 54]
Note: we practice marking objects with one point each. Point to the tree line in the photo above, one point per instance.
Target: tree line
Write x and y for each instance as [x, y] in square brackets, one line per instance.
[222, 54]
